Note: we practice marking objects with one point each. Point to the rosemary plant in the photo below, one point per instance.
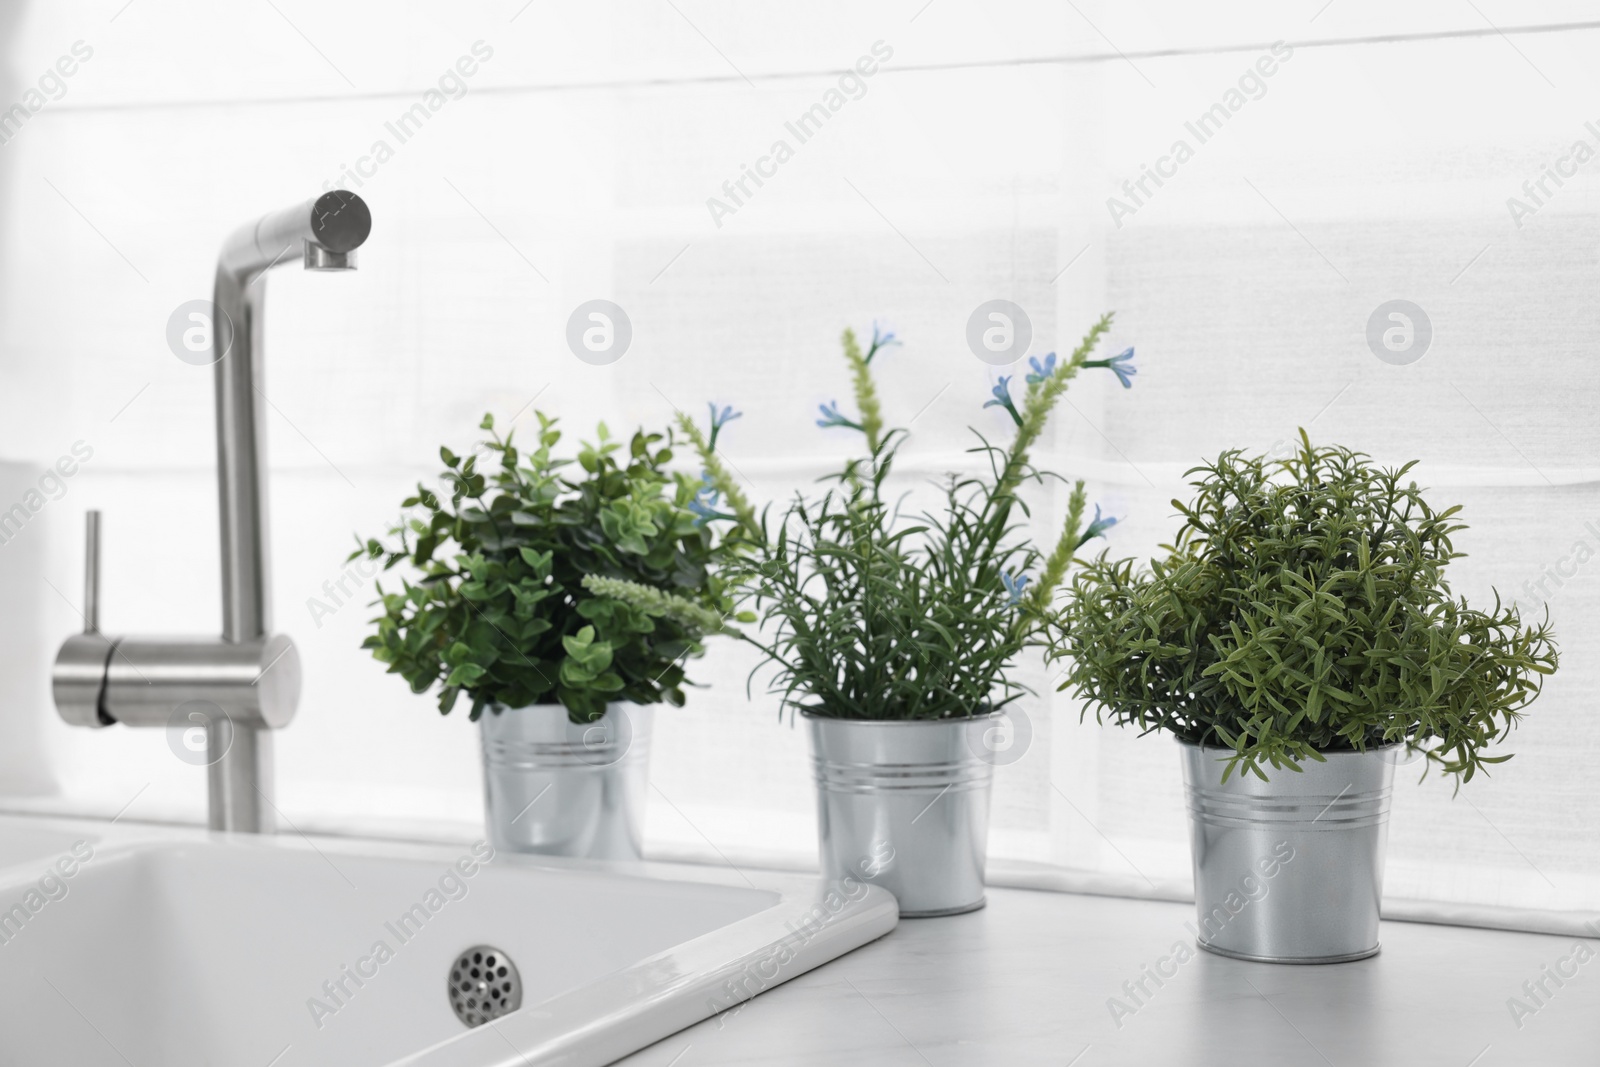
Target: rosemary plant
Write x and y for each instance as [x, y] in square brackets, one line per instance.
[877, 615]
[1303, 608]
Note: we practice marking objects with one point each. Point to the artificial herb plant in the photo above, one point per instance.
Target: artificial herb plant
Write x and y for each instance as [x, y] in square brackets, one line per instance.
[877, 615]
[497, 608]
[1302, 608]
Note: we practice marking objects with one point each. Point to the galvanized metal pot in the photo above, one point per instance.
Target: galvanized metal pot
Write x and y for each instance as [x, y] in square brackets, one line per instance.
[558, 788]
[1289, 870]
[905, 805]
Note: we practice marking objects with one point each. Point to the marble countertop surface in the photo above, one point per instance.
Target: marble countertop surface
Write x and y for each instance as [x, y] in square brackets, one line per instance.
[1055, 979]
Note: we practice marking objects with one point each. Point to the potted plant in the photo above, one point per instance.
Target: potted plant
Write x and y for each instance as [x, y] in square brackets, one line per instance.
[561, 679]
[1299, 638]
[894, 637]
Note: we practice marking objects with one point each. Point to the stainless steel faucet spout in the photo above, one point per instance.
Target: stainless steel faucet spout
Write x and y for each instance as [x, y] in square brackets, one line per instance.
[336, 222]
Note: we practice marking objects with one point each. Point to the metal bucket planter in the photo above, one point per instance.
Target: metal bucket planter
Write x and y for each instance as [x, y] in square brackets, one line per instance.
[905, 805]
[1289, 870]
[559, 788]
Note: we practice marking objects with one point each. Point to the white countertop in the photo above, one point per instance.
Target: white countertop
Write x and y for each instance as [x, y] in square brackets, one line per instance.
[1031, 978]
[1027, 980]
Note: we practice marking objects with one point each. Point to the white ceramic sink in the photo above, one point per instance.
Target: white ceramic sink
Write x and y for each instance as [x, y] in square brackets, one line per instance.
[25, 839]
[196, 950]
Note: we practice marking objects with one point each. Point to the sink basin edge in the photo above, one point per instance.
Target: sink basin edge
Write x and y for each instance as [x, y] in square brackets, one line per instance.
[675, 989]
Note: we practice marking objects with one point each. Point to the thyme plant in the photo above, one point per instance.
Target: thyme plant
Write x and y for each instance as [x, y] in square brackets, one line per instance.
[878, 615]
[496, 606]
[1303, 608]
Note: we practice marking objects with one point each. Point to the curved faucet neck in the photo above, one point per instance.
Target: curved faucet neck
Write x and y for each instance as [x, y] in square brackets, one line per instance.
[324, 233]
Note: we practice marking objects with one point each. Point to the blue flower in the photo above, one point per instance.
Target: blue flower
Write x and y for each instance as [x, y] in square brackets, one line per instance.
[1097, 528]
[880, 340]
[1121, 365]
[1014, 586]
[831, 417]
[1002, 399]
[704, 511]
[1041, 371]
[704, 504]
[719, 420]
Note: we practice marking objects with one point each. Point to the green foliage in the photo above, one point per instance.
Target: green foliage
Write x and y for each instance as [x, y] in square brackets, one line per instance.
[878, 615]
[497, 607]
[1302, 608]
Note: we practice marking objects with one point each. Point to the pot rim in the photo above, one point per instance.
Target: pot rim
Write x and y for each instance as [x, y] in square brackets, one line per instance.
[814, 717]
[1324, 752]
[499, 708]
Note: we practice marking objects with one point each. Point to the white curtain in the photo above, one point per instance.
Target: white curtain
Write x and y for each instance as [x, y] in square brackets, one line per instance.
[995, 152]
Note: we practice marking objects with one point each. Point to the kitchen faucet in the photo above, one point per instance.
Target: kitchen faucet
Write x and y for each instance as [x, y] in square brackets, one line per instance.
[241, 685]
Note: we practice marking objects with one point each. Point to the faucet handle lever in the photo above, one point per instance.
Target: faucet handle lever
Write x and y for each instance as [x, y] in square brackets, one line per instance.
[91, 571]
[78, 679]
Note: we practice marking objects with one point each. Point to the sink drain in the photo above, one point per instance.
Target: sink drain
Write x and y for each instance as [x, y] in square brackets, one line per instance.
[484, 985]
